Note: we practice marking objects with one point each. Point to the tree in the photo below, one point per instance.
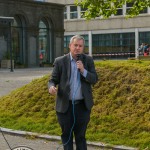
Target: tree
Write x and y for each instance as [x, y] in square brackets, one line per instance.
[105, 8]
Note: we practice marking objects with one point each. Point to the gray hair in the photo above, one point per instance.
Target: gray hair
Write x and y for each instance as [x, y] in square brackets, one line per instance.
[78, 37]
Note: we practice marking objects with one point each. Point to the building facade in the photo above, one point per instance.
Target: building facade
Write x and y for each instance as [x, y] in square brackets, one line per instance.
[116, 37]
[37, 31]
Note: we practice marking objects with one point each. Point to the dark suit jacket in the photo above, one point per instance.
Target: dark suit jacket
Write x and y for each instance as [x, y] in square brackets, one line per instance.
[61, 77]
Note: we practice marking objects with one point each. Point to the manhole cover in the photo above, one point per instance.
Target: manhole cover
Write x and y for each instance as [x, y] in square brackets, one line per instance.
[22, 148]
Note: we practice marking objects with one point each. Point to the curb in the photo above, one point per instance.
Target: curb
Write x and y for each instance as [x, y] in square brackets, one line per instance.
[58, 138]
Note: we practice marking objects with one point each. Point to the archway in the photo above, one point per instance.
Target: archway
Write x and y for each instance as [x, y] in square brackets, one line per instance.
[45, 42]
[19, 40]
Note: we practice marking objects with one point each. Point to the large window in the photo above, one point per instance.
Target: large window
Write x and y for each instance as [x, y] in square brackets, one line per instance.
[114, 44]
[42, 42]
[45, 42]
[144, 37]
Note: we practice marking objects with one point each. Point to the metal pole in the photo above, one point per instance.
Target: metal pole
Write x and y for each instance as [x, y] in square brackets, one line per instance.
[90, 43]
[136, 43]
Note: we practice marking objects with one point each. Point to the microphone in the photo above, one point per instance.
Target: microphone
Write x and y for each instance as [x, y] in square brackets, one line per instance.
[78, 57]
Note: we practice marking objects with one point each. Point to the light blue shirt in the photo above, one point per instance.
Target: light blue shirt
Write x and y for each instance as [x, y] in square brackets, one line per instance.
[75, 82]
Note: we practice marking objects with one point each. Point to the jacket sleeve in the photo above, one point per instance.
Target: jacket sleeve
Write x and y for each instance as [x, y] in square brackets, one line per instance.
[91, 72]
[55, 76]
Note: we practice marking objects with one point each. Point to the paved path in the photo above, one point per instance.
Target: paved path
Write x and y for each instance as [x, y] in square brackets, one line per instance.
[12, 80]
[10, 139]
[35, 144]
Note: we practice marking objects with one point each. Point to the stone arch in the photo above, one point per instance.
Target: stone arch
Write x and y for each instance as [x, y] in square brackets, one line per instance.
[19, 39]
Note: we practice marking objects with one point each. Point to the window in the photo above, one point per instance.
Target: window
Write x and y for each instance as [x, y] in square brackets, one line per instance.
[73, 12]
[66, 43]
[116, 44]
[86, 46]
[119, 12]
[82, 12]
[144, 37]
[42, 42]
[128, 7]
[144, 11]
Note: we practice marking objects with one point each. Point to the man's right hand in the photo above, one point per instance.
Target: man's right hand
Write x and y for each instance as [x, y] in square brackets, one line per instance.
[53, 90]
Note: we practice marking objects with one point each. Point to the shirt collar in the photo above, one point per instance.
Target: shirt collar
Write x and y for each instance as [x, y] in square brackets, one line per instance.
[71, 58]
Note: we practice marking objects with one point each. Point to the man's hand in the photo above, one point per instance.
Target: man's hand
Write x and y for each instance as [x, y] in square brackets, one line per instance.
[53, 90]
[80, 66]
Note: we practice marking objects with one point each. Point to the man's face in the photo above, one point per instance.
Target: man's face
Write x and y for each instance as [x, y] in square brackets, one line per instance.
[76, 47]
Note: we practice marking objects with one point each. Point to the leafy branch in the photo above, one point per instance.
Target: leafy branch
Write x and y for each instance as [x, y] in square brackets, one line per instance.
[105, 8]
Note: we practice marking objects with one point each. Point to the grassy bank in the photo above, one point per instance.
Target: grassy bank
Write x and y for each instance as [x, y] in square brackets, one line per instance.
[120, 116]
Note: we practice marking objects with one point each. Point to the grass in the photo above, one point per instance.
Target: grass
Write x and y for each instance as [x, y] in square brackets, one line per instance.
[120, 116]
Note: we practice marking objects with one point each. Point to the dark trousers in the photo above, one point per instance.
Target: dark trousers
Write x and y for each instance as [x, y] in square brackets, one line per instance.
[66, 121]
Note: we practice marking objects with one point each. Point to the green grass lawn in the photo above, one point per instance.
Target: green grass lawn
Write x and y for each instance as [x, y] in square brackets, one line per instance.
[120, 116]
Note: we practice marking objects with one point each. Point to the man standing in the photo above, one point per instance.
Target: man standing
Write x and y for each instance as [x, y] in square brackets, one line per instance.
[74, 74]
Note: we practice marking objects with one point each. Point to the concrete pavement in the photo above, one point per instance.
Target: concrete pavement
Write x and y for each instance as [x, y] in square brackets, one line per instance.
[12, 80]
[32, 140]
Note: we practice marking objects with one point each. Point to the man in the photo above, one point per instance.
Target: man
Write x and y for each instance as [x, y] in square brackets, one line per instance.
[74, 74]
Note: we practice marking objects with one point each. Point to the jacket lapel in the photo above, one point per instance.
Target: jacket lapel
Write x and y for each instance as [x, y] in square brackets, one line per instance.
[84, 60]
[68, 66]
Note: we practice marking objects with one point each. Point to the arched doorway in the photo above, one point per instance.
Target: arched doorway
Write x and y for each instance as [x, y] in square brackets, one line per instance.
[18, 40]
[45, 42]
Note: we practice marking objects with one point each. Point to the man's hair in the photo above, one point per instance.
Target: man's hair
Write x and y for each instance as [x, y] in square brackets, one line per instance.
[78, 37]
